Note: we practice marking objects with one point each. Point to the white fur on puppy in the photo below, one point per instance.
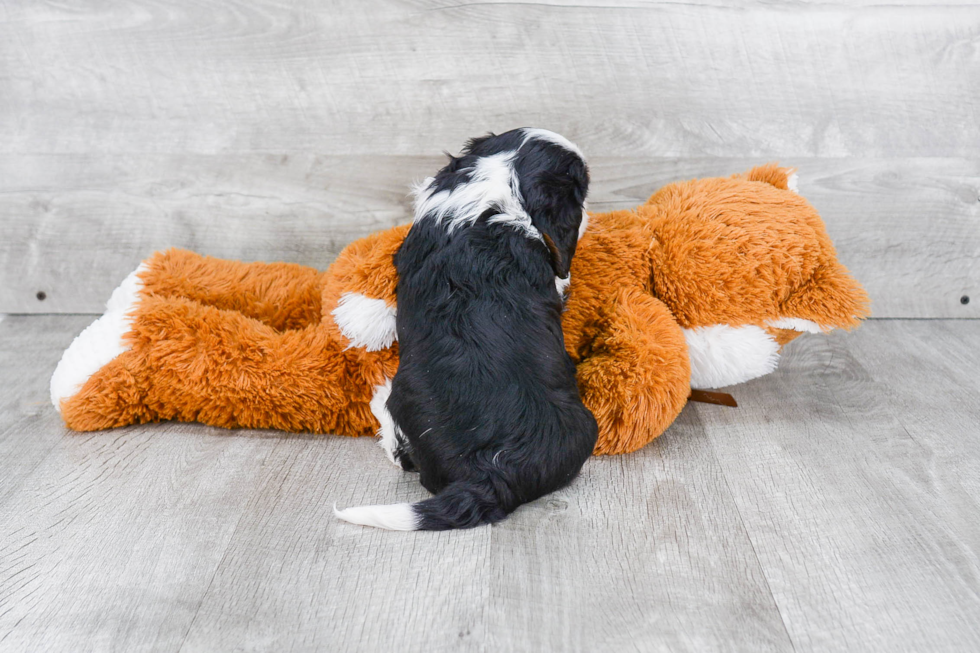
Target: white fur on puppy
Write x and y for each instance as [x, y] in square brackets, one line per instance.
[551, 137]
[393, 517]
[492, 183]
[562, 285]
[388, 433]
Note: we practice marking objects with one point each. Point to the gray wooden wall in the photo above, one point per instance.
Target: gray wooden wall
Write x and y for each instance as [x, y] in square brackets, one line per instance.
[268, 130]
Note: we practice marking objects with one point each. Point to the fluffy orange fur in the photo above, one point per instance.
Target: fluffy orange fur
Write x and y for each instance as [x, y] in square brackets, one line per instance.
[255, 345]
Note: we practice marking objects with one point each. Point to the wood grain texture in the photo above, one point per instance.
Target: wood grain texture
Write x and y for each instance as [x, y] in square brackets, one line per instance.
[109, 540]
[282, 131]
[581, 570]
[936, 381]
[863, 516]
[72, 226]
[25, 416]
[644, 552]
[750, 78]
[835, 509]
[180, 537]
[296, 578]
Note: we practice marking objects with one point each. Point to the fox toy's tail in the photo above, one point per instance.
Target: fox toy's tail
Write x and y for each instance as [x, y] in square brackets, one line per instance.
[462, 504]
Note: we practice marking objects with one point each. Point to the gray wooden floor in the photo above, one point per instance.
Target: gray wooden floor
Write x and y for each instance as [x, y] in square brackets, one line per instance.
[838, 508]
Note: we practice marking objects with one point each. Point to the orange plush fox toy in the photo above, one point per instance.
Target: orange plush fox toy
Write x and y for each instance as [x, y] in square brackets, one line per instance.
[699, 287]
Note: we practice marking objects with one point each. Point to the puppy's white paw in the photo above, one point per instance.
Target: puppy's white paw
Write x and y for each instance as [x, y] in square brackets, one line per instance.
[99, 343]
[387, 433]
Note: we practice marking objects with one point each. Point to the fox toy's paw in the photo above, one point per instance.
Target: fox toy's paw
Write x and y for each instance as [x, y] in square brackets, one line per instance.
[99, 344]
[636, 378]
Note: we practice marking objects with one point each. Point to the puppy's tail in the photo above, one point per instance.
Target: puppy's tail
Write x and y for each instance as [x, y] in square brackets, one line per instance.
[459, 505]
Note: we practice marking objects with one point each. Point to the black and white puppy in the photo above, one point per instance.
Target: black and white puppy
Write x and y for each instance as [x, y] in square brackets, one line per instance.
[484, 404]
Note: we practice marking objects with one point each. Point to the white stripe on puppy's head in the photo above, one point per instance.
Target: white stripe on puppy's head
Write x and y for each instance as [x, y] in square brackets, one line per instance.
[492, 183]
[531, 133]
[530, 179]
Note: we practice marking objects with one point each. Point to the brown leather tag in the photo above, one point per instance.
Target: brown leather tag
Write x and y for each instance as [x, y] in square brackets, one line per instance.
[717, 398]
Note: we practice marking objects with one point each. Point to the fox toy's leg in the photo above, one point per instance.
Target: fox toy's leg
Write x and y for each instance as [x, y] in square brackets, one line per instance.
[282, 295]
[359, 290]
[636, 377]
[255, 288]
[116, 373]
[192, 362]
[100, 343]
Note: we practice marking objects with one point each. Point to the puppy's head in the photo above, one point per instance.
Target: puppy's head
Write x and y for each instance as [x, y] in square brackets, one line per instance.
[531, 179]
[554, 181]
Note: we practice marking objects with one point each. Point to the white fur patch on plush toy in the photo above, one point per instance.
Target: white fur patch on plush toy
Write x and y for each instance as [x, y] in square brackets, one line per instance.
[366, 322]
[793, 182]
[99, 343]
[722, 355]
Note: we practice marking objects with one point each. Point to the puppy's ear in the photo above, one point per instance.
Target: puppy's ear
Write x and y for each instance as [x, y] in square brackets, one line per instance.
[559, 263]
[555, 207]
